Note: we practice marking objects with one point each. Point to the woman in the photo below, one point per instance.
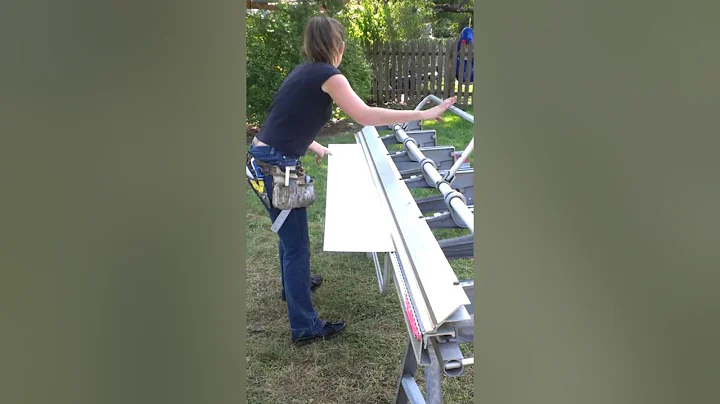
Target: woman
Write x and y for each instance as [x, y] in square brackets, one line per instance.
[301, 107]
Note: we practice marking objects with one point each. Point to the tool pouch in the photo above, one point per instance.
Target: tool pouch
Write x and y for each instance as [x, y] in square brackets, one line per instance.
[299, 191]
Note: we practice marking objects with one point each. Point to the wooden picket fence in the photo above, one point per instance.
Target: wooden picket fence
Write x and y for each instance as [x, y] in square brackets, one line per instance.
[405, 73]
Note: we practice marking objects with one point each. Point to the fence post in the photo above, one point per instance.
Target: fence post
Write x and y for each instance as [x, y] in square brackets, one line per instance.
[392, 47]
[463, 77]
[405, 69]
[375, 69]
[449, 85]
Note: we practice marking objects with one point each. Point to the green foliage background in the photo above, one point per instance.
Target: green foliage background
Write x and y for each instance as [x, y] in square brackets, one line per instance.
[372, 21]
[448, 25]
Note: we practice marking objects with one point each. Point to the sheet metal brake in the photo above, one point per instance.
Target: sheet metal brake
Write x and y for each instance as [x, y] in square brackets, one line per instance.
[437, 306]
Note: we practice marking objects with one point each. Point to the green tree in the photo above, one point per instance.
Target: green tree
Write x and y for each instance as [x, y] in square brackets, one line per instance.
[391, 20]
[451, 16]
[274, 40]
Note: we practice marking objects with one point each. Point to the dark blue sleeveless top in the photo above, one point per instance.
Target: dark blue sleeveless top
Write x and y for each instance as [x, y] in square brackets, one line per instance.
[299, 109]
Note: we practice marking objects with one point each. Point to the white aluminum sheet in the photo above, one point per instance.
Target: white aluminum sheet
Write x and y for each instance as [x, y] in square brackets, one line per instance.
[356, 220]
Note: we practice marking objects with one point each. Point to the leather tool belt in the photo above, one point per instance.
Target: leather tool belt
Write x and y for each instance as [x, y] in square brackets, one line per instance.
[292, 188]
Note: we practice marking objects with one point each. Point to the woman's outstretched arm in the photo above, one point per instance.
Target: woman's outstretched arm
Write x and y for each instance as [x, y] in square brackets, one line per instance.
[345, 97]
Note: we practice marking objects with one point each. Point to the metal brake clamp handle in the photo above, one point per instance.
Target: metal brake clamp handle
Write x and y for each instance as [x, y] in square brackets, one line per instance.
[448, 198]
[424, 161]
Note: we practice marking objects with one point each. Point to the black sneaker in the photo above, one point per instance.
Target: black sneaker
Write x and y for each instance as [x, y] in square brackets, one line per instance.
[315, 282]
[331, 330]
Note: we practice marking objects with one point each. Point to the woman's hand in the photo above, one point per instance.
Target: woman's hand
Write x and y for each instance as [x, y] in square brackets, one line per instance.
[438, 110]
[320, 152]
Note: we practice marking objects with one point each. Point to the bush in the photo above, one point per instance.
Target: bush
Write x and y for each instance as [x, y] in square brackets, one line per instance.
[274, 40]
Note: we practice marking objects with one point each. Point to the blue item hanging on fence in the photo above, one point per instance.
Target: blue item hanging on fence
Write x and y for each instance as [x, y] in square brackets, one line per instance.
[466, 38]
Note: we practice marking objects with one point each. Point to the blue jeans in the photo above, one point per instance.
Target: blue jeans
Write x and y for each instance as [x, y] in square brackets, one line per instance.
[294, 252]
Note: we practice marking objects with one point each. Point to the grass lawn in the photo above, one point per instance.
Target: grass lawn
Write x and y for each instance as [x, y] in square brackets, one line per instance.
[361, 366]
